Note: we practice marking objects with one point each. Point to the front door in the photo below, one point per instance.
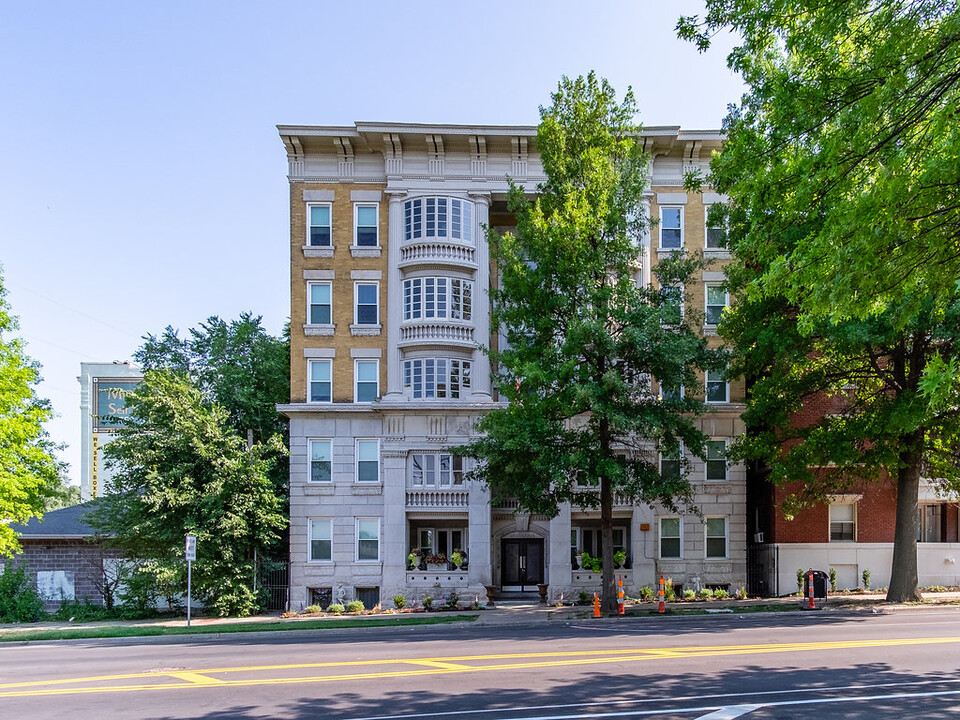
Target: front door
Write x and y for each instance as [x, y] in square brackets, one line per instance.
[521, 564]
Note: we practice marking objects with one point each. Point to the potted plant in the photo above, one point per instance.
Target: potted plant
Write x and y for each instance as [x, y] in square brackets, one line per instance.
[437, 561]
[457, 558]
[414, 559]
[619, 558]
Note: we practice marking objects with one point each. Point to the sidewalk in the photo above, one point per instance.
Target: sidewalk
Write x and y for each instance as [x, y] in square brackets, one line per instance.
[524, 612]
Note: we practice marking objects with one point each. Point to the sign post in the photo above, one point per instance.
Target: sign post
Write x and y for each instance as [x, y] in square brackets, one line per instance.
[191, 554]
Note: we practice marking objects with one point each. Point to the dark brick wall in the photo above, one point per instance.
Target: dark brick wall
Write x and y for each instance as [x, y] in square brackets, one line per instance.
[82, 558]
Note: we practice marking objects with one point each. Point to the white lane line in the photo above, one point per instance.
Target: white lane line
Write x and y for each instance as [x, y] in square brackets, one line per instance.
[729, 713]
[679, 698]
[663, 709]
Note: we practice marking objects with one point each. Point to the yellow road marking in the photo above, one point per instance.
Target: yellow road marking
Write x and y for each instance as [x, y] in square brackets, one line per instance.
[442, 665]
[437, 666]
[196, 678]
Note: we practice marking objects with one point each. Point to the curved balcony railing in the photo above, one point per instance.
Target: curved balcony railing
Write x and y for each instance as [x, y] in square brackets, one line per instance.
[437, 499]
[437, 252]
[432, 332]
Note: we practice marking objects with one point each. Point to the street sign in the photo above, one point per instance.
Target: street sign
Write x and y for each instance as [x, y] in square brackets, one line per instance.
[191, 549]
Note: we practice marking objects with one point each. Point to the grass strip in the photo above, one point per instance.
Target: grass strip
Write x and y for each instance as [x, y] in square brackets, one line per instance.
[117, 631]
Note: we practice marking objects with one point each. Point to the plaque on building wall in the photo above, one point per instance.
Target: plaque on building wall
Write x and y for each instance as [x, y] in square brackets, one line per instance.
[111, 404]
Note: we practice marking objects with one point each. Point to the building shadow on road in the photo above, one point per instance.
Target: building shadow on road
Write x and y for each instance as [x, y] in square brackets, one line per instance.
[793, 691]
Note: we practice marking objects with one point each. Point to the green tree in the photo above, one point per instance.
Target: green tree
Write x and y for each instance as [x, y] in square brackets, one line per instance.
[846, 142]
[841, 167]
[67, 495]
[181, 468]
[583, 338]
[29, 473]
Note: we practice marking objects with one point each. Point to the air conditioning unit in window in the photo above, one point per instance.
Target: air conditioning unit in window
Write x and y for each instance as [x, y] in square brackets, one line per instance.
[758, 537]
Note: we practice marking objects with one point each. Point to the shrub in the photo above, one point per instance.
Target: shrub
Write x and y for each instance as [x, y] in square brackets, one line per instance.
[833, 579]
[453, 600]
[399, 601]
[742, 593]
[313, 609]
[800, 581]
[720, 594]
[689, 595]
[355, 606]
[19, 601]
[81, 611]
[669, 594]
[335, 609]
[866, 579]
[706, 594]
[646, 593]
[428, 602]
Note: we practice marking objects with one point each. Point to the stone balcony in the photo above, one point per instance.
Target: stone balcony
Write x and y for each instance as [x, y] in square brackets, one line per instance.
[437, 252]
[440, 500]
[436, 332]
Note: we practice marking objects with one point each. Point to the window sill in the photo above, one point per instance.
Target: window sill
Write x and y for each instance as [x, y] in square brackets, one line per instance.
[708, 330]
[669, 251]
[325, 564]
[312, 330]
[716, 253]
[312, 488]
[365, 330]
[365, 251]
[314, 251]
[367, 488]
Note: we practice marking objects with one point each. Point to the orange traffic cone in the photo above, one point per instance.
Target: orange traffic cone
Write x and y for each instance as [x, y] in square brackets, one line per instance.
[662, 607]
[620, 608]
[812, 605]
[596, 605]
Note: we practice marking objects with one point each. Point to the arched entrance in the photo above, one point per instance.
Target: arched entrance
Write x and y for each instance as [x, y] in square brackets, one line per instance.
[521, 564]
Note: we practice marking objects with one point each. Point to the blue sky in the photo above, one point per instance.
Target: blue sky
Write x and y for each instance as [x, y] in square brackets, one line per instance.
[142, 182]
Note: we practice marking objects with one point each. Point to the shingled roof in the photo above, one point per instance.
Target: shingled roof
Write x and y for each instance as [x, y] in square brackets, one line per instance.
[66, 523]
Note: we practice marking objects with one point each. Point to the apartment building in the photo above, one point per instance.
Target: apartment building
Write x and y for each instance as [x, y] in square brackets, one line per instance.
[389, 287]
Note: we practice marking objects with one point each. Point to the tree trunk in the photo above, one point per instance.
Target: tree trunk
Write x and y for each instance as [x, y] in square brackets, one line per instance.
[904, 585]
[609, 604]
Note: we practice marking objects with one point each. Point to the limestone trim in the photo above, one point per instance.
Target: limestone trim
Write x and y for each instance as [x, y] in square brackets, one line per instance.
[366, 274]
[366, 352]
[319, 330]
[319, 275]
[359, 251]
[312, 251]
[323, 353]
[365, 330]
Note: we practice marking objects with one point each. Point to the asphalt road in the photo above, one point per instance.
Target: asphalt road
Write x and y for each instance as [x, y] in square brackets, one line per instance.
[756, 667]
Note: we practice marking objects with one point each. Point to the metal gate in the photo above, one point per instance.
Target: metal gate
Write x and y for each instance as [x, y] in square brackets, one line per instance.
[273, 584]
[762, 570]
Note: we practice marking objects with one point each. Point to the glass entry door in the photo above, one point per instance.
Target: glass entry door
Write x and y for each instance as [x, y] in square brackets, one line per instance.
[521, 564]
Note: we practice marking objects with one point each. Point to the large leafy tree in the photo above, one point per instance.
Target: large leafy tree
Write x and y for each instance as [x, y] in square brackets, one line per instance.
[181, 468]
[583, 338]
[841, 166]
[29, 473]
[850, 120]
[236, 364]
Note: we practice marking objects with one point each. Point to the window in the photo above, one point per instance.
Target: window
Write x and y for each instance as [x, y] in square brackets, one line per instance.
[368, 460]
[369, 596]
[436, 377]
[367, 374]
[716, 460]
[671, 228]
[932, 520]
[365, 234]
[368, 538]
[321, 387]
[321, 596]
[321, 461]
[717, 301]
[670, 463]
[716, 234]
[367, 305]
[436, 469]
[321, 540]
[716, 387]
[670, 393]
[441, 540]
[437, 297]
[670, 540]
[318, 304]
[438, 217]
[672, 304]
[591, 540]
[319, 225]
[716, 537]
[843, 522]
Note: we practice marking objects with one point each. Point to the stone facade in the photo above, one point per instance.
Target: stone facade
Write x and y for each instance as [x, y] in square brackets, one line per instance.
[371, 479]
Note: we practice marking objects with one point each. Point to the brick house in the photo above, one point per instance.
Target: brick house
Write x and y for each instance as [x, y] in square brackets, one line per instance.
[63, 558]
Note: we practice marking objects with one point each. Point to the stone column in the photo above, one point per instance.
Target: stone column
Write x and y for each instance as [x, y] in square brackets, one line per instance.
[561, 572]
[647, 260]
[480, 571]
[481, 297]
[394, 296]
[393, 539]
